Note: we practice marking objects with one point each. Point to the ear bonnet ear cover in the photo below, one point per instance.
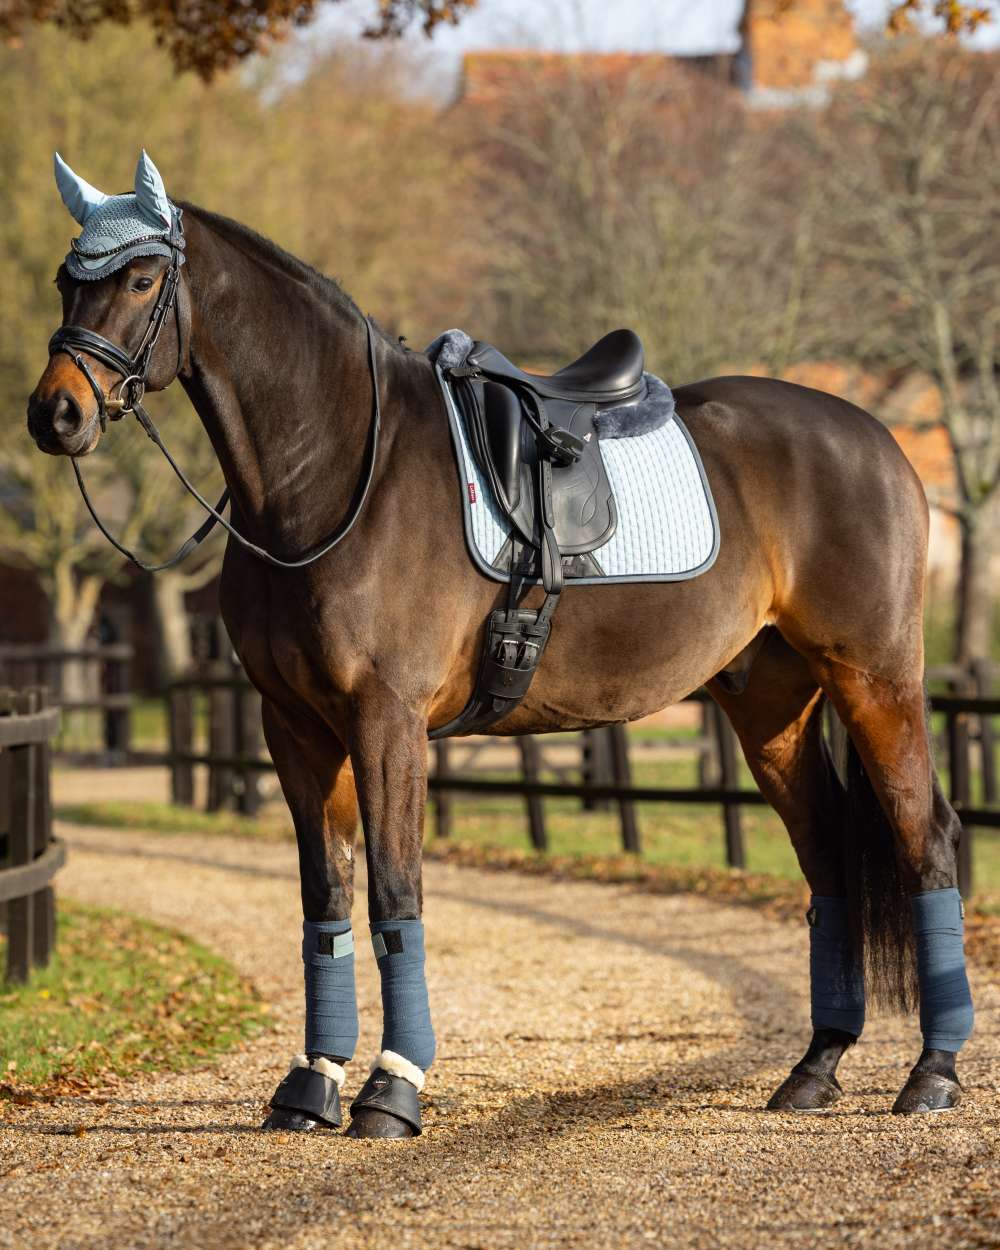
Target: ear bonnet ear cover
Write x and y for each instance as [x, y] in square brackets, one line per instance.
[117, 228]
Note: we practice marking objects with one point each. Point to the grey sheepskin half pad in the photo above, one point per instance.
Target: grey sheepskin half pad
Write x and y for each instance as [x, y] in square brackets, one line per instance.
[653, 410]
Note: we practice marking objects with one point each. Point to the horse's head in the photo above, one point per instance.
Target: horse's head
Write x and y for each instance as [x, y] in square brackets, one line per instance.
[126, 311]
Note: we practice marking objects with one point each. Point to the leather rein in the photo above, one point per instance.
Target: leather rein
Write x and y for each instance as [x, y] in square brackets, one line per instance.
[128, 396]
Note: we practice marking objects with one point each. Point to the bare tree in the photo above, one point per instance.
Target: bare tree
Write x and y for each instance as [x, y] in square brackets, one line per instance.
[909, 169]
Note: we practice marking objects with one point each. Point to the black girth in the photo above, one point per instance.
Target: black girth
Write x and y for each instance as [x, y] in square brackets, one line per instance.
[134, 370]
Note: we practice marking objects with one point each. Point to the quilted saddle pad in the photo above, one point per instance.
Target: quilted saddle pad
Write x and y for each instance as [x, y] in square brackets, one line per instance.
[667, 531]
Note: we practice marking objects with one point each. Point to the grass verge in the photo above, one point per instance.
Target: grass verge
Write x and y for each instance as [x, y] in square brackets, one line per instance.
[120, 996]
[166, 818]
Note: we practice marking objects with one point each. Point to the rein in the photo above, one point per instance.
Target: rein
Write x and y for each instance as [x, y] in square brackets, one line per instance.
[134, 370]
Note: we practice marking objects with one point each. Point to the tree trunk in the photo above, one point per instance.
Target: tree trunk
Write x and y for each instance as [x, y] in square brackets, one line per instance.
[975, 603]
[72, 608]
[173, 631]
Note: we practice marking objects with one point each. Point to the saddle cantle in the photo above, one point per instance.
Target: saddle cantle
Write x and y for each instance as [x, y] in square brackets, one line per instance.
[535, 440]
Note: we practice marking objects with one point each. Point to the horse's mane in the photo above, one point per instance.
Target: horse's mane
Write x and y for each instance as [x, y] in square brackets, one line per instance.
[257, 245]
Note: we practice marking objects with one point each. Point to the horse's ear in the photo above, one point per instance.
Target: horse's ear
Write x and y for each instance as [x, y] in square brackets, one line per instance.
[150, 191]
[79, 196]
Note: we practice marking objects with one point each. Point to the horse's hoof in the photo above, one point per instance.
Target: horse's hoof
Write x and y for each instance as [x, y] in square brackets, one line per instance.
[284, 1120]
[925, 1092]
[806, 1091]
[370, 1122]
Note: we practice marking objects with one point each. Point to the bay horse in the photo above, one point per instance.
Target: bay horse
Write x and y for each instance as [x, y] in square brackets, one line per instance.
[817, 591]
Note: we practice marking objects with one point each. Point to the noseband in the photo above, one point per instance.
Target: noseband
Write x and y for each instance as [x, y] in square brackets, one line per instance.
[134, 370]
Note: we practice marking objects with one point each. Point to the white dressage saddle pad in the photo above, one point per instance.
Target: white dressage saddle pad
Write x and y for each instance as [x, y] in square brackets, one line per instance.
[667, 531]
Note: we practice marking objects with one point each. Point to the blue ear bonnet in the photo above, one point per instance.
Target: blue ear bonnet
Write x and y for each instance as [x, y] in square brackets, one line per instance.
[118, 228]
[117, 233]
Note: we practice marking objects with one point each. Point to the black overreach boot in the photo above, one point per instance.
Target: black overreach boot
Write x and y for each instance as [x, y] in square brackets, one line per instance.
[308, 1097]
[386, 1106]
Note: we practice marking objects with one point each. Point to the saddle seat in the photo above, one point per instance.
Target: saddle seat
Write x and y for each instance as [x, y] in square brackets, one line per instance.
[610, 372]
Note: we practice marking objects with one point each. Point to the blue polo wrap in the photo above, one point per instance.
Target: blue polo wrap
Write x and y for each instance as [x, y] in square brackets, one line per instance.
[946, 1015]
[406, 1012]
[331, 1001]
[837, 981]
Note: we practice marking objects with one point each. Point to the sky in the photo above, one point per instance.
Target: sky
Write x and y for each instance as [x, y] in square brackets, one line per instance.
[680, 26]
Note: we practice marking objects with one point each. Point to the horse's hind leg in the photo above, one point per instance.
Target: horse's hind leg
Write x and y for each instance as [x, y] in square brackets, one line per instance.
[907, 894]
[778, 719]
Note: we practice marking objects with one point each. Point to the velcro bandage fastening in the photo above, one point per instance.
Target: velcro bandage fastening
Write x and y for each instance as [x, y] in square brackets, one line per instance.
[387, 942]
[336, 944]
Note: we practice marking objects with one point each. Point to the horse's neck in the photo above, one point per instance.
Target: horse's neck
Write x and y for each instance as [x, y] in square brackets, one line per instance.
[279, 375]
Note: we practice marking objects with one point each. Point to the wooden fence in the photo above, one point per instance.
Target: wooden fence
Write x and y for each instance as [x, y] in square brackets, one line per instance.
[93, 678]
[602, 775]
[29, 855]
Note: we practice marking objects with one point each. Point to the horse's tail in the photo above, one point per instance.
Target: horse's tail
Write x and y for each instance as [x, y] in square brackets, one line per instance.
[877, 901]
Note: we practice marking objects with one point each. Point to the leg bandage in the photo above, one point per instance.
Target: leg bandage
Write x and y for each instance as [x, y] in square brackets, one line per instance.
[837, 981]
[331, 1004]
[406, 1013]
[946, 1014]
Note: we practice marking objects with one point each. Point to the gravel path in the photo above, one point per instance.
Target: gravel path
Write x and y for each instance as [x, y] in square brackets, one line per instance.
[603, 1057]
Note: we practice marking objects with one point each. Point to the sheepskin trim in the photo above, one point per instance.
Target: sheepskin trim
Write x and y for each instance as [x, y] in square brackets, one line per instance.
[325, 1067]
[632, 420]
[396, 1065]
[449, 350]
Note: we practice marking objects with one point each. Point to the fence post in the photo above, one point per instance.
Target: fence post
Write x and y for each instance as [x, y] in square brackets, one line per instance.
[708, 752]
[729, 768]
[982, 676]
[117, 720]
[21, 911]
[622, 776]
[442, 798]
[596, 766]
[961, 792]
[220, 743]
[535, 804]
[247, 730]
[180, 715]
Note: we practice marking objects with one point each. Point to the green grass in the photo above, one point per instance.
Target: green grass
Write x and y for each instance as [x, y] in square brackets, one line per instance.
[166, 818]
[120, 996]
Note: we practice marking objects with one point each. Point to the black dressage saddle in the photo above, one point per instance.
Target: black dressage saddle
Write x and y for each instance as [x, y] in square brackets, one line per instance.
[535, 440]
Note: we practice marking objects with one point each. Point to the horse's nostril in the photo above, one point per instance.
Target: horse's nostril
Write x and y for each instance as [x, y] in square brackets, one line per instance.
[66, 415]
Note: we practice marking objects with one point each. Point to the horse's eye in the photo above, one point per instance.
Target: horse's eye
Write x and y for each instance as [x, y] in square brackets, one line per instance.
[142, 284]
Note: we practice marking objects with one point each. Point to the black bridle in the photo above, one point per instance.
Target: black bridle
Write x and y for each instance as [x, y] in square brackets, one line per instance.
[134, 370]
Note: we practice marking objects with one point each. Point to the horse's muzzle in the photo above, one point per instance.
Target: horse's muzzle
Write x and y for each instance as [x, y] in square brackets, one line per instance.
[59, 425]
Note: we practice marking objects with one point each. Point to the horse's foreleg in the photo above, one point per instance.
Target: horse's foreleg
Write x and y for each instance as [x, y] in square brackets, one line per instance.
[388, 743]
[778, 719]
[319, 787]
[917, 893]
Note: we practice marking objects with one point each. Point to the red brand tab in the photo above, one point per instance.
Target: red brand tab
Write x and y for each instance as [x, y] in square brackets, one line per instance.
[472, 492]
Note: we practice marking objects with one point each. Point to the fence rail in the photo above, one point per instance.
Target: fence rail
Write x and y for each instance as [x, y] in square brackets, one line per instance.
[29, 855]
[94, 678]
[602, 772]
